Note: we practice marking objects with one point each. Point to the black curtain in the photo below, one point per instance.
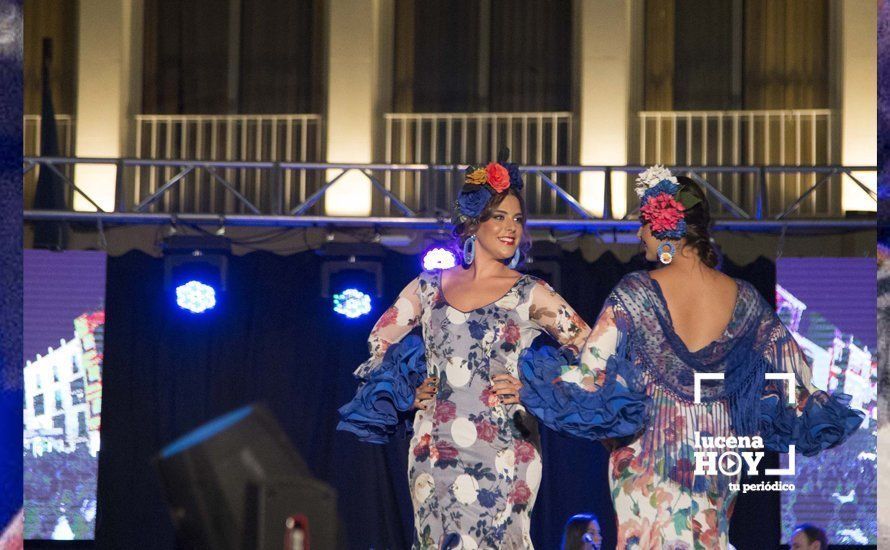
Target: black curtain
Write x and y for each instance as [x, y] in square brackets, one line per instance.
[274, 339]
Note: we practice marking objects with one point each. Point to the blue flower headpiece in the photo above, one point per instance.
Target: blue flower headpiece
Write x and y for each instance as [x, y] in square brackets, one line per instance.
[483, 182]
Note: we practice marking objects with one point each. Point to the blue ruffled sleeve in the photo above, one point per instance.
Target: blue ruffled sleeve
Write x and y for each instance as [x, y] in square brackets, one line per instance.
[382, 405]
[826, 422]
[613, 410]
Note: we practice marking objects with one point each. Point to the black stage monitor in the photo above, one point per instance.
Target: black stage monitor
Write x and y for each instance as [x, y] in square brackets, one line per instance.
[234, 482]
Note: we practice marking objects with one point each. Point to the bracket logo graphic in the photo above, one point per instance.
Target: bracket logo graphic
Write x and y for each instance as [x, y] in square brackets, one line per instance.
[730, 454]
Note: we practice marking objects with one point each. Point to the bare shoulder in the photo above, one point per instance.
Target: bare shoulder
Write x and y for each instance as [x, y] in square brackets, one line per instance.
[721, 289]
[721, 278]
[710, 281]
[452, 274]
[723, 283]
[513, 275]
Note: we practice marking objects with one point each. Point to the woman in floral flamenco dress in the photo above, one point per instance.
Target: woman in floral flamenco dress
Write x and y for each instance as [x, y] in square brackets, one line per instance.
[474, 461]
[655, 333]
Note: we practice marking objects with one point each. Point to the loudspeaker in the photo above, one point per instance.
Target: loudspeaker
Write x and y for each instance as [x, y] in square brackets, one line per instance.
[277, 508]
[229, 481]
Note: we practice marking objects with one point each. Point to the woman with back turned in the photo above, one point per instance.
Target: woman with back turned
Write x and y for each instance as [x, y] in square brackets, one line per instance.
[656, 332]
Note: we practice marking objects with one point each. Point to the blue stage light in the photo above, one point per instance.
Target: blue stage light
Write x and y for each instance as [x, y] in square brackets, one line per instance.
[352, 303]
[195, 296]
[439, 258]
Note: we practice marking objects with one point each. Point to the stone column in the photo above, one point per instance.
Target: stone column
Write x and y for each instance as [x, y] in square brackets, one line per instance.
[858, 61]
[360, 45]
[604, 45]
[109, 92]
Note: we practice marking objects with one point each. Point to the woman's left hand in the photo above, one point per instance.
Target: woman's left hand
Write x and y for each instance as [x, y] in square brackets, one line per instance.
[506, 387]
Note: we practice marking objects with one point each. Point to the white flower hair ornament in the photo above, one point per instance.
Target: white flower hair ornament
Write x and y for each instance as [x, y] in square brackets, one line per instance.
[652, 177]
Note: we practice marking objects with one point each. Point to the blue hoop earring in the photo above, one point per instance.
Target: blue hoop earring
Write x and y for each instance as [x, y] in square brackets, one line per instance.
[515, 261]
[666, 251]
[470, 250]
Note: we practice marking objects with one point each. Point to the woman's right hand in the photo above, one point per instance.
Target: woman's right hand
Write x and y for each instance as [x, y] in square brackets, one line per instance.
[426, 392]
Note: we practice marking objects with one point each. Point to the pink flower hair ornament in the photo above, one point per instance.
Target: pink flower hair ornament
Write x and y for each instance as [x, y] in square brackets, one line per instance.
[664, 203]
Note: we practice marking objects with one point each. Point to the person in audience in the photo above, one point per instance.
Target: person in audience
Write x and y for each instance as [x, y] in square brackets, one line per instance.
[807, 536]
[582, 532]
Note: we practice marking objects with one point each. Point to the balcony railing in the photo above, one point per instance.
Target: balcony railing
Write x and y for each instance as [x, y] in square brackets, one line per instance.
[31, 145]
[544, 138]
[749, 138]
[31, 135]
[260, 138]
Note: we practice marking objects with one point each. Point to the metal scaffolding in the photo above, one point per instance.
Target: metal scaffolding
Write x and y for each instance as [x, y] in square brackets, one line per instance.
[427, 210]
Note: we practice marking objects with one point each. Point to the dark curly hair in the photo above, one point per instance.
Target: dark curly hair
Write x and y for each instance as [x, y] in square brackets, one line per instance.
[463, 231]
[698, 224]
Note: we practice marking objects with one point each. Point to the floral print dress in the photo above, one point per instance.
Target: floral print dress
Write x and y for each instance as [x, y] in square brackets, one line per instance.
[659, 502]
[655, 504]
[474, 464]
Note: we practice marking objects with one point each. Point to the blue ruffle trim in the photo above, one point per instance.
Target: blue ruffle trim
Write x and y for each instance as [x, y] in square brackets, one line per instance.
[826, 422]
[613, 411]
[382, 404]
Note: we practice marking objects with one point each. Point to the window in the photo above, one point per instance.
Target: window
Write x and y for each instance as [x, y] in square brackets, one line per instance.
[82, 425]
[38, 405]
[736, 54]
[59, 422]
[78, 395]
[59, 405]
[187, 68]
[58, 22]
[467, 56]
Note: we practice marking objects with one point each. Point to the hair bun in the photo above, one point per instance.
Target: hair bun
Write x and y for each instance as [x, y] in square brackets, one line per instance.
[698, 224]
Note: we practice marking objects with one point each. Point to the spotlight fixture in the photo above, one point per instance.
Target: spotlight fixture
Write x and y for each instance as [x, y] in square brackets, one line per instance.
[343, 261]
[195, 270]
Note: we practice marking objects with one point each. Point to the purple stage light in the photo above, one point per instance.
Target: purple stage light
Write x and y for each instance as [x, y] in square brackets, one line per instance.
[439, 258]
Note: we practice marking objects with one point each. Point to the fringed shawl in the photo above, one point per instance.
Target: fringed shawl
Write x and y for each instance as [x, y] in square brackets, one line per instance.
[754, 343]
[648, 391]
